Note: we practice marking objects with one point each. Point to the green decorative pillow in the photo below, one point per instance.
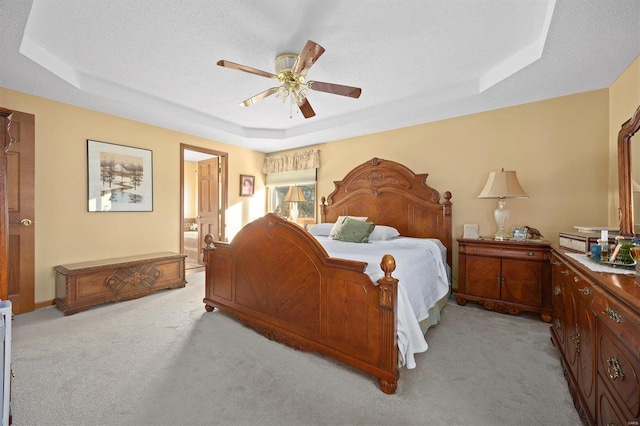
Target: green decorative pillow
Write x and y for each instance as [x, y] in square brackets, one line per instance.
[354, 231]
[340, 222]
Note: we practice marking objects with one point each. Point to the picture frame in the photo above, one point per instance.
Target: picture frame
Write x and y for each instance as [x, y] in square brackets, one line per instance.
[119, 178]
[519, 233]
[247, 185]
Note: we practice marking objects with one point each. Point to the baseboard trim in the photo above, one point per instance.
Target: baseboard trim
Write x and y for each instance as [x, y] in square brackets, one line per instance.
[45, 304]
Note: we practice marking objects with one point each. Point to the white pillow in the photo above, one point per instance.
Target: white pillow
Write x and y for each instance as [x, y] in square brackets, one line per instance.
[340, 221]
[383, 233]
[321, 229]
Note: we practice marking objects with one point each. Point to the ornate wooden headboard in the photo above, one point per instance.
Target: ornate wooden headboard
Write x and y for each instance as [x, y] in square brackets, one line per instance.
[389, 193]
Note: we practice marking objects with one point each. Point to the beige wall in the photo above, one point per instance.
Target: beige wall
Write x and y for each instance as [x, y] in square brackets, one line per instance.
[190, 185]
[563, 150]
[67, 233]
[624, 99]
[558, 147]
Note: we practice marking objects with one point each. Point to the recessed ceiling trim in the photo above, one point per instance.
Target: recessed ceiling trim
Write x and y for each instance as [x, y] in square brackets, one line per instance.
[522, 58]
[94, 57]
[48, 60]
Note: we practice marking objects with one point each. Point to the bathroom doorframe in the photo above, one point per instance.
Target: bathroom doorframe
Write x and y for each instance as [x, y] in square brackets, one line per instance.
[223, 188]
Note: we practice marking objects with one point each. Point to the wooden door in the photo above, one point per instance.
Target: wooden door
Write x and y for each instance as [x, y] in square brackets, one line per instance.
[5, 116]
[209, 206]
[21, 207]
[483, 276]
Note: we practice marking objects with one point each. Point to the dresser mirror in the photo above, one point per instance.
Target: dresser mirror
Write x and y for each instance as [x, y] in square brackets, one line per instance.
[629, 176]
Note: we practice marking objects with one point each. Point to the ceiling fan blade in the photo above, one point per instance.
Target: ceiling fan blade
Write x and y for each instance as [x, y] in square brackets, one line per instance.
[308, 56]
[260, 96]
[305, 108]
[233, 65]
[336, 89]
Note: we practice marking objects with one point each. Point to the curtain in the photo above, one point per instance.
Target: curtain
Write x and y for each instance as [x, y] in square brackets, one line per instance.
[295, 161]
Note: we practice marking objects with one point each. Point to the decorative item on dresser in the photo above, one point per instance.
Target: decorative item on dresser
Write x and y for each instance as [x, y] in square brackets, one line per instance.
[581, 241]
[278, 279]
[505, 276]
[596, 329]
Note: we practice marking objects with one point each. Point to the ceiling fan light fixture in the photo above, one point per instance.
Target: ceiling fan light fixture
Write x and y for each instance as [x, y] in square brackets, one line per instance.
[292, 84]
[285, 62]
[291, 72]
[282, 93]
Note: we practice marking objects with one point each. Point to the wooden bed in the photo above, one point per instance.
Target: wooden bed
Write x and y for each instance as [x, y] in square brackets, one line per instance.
[277, 279]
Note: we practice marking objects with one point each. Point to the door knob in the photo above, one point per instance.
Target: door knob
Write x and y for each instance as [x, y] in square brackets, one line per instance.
[26, 222]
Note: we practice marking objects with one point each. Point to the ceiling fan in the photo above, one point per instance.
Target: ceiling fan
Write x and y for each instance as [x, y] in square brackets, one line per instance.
[291, 71]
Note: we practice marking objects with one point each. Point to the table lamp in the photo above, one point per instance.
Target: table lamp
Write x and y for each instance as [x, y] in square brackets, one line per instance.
[501, 185]
[294, 196]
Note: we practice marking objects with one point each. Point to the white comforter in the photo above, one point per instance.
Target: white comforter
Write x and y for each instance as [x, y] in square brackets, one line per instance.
[422, 276]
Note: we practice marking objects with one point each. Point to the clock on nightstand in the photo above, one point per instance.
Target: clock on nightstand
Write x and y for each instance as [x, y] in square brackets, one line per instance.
[505, 276]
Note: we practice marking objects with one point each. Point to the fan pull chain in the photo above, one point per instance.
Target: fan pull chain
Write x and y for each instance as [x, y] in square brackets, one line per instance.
[291, 106]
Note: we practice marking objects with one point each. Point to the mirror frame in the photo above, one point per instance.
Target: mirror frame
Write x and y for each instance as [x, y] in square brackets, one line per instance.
[625, 211]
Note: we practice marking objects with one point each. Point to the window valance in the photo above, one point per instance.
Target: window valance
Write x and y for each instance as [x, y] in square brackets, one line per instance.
[295, 161]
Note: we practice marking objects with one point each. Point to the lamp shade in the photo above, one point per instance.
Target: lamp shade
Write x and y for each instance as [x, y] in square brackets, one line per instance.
[502, 184]
[294, 195]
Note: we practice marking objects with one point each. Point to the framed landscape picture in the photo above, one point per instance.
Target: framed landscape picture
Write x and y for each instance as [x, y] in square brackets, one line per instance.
[120, 178]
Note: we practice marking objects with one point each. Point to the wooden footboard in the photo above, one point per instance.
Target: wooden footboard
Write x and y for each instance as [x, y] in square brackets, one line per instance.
[278, 280]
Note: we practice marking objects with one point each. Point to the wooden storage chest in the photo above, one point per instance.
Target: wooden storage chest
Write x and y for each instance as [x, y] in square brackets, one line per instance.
[80, 286]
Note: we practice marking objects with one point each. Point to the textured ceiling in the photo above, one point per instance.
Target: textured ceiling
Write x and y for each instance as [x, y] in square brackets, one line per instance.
[416, 61]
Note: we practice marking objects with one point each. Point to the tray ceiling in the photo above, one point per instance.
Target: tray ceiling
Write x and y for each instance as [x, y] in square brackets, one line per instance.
[155, 61]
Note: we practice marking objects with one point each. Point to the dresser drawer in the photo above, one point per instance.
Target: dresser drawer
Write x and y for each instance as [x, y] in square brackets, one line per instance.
[618, 369]
[569, 276]
[608, 411]
[619, 320]
[560, 266]
[506, 252]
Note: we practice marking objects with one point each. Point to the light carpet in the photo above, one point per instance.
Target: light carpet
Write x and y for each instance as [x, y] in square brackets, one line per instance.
[163, 360]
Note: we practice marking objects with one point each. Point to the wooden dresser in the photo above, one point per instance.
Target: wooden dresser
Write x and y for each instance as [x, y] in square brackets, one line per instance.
[505, 276]
[596, 328]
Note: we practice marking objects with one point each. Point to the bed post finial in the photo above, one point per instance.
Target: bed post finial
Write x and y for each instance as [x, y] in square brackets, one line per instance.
[208, 240]
[388, 284]
[206, 251]
[388, 265]
[323, 207]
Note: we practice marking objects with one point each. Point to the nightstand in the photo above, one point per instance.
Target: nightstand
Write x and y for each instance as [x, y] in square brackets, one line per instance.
[505, 276]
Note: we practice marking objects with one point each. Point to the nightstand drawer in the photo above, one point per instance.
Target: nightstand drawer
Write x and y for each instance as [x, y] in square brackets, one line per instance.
[506, 252]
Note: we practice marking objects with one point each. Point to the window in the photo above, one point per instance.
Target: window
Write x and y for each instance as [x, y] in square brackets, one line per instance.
[306, 210]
